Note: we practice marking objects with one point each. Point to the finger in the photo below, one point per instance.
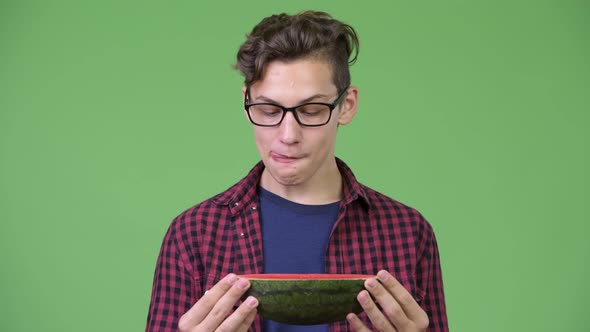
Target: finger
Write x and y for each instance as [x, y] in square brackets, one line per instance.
[380, 322]
[239, 318]
[203, 306]
[225, 304]
[248, 322]
[392, 309]
[411, 308]
[357, 324]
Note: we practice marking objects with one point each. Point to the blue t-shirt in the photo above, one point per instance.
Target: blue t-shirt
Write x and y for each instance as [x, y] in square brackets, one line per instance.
[295, 237]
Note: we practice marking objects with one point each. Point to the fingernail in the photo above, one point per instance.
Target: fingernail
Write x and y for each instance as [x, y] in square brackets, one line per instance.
[231, 278]
[243, 283]
[363, 297]
[371, 283]
[251, 301]
[351, 317]
[383, 275]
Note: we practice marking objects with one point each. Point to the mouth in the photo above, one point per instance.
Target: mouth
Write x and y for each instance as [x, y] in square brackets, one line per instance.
[281, 158]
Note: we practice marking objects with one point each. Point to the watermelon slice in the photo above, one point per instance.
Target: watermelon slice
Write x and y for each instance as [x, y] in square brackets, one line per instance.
[306, 299]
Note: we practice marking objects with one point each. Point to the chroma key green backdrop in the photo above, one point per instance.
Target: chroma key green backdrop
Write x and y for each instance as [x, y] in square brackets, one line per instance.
[115, 116]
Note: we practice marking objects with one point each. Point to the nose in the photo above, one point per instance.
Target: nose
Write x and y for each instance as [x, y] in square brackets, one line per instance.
[289, 129]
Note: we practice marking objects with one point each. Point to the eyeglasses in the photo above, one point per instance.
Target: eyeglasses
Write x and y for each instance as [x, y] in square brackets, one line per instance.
[307, 115]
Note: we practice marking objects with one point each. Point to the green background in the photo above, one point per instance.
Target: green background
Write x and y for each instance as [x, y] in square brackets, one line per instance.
[115, 116]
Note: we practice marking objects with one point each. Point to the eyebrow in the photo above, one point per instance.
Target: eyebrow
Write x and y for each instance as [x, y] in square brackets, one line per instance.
[306, 100]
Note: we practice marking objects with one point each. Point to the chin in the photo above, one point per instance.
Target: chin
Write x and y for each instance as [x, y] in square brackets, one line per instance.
[285, 176]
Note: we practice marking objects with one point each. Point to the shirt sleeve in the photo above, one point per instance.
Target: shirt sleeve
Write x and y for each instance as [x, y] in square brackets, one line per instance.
[430, 281]
[173, 291]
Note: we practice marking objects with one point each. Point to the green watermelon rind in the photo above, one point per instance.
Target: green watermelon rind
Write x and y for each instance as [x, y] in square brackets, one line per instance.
[306, 301]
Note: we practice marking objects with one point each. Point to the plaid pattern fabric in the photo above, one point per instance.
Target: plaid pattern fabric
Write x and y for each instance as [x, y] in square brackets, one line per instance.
[223, 235]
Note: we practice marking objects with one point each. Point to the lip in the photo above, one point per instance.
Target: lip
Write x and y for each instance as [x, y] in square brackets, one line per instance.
[281, 158]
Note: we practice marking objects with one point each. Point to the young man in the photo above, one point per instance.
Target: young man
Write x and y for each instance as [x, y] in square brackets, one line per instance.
[300, 210]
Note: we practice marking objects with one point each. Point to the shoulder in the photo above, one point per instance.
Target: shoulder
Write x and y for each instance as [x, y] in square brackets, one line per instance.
[388, 209]
[382, 208]
[399, 221]
[220, 209]
[200, 215]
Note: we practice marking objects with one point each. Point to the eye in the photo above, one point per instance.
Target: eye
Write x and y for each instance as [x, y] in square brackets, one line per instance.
[312, 110]
[266, 109]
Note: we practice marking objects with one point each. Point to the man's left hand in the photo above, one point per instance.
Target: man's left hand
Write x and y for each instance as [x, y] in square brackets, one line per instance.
[399, 311]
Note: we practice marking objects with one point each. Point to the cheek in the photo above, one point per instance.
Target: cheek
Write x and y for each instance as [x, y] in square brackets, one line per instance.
[328, 137]
[262, 138]
[322, 143]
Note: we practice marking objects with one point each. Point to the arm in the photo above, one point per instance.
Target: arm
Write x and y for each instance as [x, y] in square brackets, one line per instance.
[173, 289]
[429, 278]
[390, 307]
[176, 289]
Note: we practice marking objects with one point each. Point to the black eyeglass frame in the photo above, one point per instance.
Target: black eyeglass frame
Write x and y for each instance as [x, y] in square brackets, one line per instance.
[331, 106]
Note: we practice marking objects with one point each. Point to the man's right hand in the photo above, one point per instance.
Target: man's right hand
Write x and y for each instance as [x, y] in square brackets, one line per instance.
[210, 313]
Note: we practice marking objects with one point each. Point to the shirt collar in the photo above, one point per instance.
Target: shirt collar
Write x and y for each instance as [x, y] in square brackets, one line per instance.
[352, 189]
[244, 194]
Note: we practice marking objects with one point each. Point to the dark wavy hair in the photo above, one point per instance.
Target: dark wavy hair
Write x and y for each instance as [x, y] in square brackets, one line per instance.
[292, 37]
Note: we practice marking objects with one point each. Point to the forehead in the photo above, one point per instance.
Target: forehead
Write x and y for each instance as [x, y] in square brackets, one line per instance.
[297, 78]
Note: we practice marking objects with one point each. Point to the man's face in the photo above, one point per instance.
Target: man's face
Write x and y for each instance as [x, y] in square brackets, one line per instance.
[294, 154]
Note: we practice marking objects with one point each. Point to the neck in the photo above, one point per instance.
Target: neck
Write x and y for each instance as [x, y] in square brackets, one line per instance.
[323, 188]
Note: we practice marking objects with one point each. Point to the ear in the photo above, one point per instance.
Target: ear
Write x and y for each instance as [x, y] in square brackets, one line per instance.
[349, 106]
[244, 98]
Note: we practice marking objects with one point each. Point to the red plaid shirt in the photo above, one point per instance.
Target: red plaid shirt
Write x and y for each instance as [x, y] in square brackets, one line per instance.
[223, 235]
